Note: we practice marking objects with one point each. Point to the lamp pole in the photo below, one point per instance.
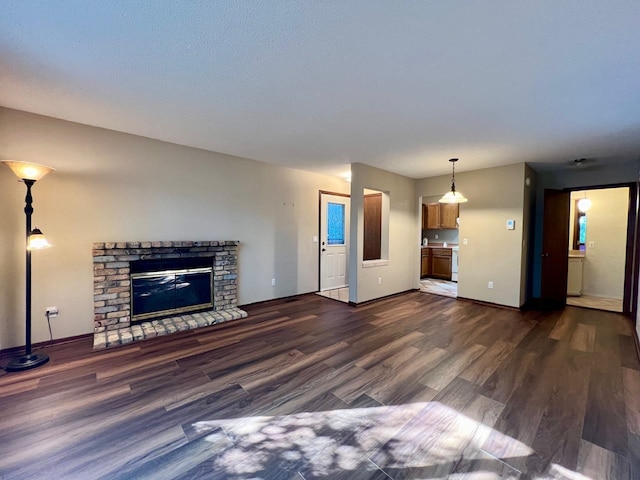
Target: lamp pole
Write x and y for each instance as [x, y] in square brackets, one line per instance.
[29, 173]
[28, 210]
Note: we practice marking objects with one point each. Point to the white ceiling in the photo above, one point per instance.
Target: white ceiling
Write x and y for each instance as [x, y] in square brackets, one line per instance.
[316, 85]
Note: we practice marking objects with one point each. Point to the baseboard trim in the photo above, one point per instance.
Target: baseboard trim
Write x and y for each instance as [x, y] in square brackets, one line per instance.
[386, 297]
[275, 300]
[491, 304]
[12, 351]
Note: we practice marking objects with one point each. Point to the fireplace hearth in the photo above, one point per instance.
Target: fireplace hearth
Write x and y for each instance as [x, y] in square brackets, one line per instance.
[146, 289]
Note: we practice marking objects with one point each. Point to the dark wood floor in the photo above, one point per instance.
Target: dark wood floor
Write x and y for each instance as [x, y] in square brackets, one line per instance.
[413, 387]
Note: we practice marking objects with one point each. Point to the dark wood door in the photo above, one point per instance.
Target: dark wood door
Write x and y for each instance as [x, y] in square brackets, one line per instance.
[555, 247]
[372, 244]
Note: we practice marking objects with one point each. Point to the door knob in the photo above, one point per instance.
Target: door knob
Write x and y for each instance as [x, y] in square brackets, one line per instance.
[324, 249]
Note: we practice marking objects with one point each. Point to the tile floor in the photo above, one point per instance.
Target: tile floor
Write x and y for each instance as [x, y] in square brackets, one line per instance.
[599, 303]
[428, 285]
[340, 294]
[450, 289]
[439, 287]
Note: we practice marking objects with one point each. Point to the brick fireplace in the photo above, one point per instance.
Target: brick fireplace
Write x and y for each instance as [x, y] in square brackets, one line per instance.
[112, 288]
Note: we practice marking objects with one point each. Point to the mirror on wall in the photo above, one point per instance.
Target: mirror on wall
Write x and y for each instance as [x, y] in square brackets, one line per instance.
[579, 228]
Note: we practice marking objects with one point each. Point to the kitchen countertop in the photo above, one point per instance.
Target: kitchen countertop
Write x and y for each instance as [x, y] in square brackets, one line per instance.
[439, 245]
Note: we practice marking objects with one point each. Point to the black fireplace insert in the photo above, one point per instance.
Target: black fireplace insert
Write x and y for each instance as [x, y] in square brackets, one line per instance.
[170, 286]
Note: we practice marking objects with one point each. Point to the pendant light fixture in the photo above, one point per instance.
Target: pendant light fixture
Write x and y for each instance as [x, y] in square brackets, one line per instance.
[584, 204]
[453, 196]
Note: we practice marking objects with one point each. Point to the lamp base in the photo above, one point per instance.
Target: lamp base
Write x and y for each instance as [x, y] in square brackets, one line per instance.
[26, 362]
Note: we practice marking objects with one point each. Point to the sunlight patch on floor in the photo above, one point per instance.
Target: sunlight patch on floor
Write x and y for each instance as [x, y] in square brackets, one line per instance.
[421, 437]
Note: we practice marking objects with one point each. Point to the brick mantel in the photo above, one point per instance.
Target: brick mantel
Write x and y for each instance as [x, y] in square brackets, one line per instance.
[112, 284]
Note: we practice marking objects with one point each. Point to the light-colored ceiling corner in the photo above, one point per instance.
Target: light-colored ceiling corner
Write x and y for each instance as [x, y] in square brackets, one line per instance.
[320, 85]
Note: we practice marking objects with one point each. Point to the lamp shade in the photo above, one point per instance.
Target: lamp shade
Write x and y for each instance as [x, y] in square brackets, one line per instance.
[27, 171]
[37, 240]
[453, 197]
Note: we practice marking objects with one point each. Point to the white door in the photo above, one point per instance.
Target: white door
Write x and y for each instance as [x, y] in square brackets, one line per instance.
[334, 241]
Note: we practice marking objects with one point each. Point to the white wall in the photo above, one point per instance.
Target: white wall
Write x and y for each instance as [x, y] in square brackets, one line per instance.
[401, 271]
[604, 264]
[111, 186]
[493, 253]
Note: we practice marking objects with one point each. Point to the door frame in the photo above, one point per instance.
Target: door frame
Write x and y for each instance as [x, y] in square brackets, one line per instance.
[320, 193]
[632, 248]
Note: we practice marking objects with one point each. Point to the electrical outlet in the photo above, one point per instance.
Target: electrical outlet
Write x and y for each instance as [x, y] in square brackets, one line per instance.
[436, 236]
[273, 282]
[592, 244]
[490, 285]
[52, 312]
[379, 280]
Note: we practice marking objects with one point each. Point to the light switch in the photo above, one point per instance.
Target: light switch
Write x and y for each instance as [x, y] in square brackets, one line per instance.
[511, 224]
[592, 244]
[315, 239]
[465, 241]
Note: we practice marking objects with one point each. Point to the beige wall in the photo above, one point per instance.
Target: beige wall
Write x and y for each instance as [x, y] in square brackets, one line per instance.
[401, 271]
[493, 253]
[111, 186]
[607, 227]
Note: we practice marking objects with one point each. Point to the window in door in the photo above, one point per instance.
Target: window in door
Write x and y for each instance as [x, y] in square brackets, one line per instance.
[335, 224]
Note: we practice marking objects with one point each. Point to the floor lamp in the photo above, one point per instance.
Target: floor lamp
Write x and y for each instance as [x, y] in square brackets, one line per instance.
[29, 173]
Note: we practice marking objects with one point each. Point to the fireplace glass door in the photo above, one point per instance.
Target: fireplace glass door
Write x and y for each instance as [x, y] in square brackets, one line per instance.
[156, 294]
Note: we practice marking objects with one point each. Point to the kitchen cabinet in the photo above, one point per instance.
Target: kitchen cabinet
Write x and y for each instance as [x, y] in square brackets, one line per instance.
[441, 263]
[425, 263]
[449, 213]
[433, 216]
[424, 217]
[441, 216]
